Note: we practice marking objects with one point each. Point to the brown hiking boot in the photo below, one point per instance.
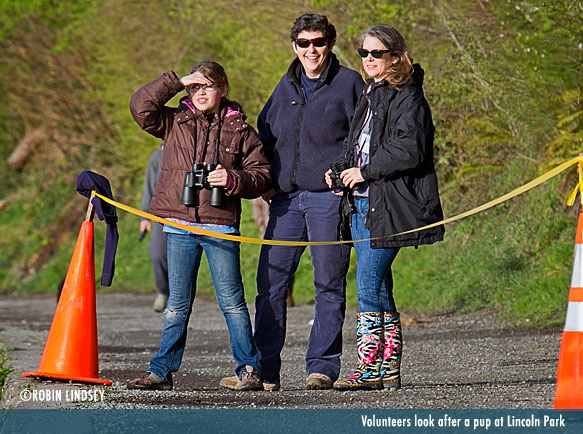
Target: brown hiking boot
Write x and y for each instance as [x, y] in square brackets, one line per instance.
[318, 382]
[250, 380]
[271, 387]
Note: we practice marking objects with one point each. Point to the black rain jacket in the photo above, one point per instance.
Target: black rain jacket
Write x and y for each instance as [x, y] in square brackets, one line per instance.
[403, 193]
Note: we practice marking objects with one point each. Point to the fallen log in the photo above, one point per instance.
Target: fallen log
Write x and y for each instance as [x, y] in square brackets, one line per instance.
[25, 147]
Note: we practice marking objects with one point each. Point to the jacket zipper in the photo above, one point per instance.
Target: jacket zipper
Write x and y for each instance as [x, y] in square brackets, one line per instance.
[207, 141]
[195, 140]
[371, 150]
[202, 157]
[302, 103]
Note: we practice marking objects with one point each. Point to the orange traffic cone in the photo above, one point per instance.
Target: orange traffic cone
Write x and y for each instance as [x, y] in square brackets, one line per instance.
[569, 392]
[71, 349]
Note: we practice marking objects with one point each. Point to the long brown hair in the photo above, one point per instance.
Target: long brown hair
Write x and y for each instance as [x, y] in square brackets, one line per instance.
[401, 73]
[216, 73]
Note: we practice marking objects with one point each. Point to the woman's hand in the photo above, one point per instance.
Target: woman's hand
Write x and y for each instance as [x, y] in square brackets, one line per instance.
[218, 177]
[329, 182]
[195, 78]
[351, 177]
[327, 178]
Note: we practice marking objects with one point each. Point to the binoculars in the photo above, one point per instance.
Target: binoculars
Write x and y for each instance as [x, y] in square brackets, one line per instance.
[197, 180]
[337, 184]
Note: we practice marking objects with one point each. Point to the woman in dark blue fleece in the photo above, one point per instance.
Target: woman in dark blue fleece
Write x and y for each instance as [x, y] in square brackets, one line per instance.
[303, 126]
[393, 187]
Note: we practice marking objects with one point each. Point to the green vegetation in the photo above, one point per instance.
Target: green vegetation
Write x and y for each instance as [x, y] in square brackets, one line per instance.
[503, 79]
[4, 368]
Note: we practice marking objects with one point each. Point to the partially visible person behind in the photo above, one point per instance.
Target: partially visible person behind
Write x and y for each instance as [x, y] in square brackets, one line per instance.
[212, 158]
[159, 237]
[392, 187]
[303, 126]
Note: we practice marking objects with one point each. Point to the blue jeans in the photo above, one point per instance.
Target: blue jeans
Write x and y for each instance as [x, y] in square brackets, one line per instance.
[374, 279]
[184, 255]
[302, 216]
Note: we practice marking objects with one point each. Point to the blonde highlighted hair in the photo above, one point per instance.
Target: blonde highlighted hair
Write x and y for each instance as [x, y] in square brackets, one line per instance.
[401, 73]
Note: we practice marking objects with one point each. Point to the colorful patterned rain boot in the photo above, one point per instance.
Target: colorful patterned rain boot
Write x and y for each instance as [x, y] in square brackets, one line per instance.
[391, 366]
[369, 340]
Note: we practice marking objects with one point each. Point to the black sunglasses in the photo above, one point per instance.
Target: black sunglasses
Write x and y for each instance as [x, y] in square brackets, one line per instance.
[377, 54]
[305, 43]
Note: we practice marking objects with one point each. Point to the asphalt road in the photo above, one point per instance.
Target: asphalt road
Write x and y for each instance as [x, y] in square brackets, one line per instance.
[469, 361]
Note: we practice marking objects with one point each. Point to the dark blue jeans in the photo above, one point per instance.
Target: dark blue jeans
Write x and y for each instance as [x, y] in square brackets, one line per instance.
[302, 216]
[184, 255]
[374, 279]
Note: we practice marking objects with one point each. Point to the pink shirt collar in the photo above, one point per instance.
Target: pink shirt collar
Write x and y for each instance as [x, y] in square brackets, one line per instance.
[230, 112]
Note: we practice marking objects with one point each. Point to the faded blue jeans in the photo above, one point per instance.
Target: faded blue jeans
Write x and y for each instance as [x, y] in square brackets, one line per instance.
[374, 279]
[184, 255]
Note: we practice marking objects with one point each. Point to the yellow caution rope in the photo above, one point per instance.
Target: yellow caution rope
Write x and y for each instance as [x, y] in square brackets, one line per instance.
[520, 190]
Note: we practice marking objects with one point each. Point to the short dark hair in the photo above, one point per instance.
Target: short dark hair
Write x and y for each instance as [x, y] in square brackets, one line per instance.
[314, 23]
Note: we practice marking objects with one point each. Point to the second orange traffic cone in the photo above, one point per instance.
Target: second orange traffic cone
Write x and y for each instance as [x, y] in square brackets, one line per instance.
[569, 391]
[71, 349]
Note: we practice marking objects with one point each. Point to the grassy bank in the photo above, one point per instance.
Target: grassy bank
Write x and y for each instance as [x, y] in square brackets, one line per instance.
[503, 79]
[4, 368]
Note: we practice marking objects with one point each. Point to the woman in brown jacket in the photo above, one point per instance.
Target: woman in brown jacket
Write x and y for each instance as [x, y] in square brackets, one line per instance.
[212, 158]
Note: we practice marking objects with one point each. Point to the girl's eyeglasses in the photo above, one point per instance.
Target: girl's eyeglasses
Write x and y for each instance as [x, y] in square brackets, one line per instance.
[305, 43]
[205, 87]
[377, 54]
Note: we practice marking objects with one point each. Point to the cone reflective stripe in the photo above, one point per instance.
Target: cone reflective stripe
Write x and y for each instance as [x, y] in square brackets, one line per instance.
[71, 349]
[574, 321]
[569, 391]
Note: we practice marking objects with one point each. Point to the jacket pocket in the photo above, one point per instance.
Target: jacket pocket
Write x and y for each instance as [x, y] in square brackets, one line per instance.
[229, 153]
[168, 193]
[409, 190]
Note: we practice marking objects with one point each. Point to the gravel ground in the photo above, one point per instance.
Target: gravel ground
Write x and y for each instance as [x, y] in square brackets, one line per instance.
[469, 361]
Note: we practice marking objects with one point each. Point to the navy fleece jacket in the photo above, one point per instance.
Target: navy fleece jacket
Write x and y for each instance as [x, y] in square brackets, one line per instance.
[302, 138]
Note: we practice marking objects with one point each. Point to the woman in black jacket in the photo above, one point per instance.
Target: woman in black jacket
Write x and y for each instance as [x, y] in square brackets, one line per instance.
[392, 188]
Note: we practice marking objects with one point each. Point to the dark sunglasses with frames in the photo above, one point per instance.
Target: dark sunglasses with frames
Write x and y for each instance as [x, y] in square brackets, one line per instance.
[377, 54]
[305, 43]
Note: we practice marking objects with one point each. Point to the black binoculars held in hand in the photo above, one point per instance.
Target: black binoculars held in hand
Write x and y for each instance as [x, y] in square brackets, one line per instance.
[197, 180]
[337, 184]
